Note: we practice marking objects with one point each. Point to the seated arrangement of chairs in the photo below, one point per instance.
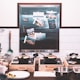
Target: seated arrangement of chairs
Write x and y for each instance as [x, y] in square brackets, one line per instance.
[70, 73]
[76, 71]
[66, 73]
[3, 70]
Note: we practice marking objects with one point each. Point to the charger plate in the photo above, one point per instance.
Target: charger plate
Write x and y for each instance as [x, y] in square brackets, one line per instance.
[19, 74]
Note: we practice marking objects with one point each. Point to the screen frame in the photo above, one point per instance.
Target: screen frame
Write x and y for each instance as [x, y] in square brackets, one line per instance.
[40, 4]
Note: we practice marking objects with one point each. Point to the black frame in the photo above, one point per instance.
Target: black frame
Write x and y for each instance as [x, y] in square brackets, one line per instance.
[69, 27]
[60, 5]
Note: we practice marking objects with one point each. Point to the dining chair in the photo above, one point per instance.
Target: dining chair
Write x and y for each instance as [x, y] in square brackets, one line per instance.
[76, 71]
[3, 69]
[63, 73]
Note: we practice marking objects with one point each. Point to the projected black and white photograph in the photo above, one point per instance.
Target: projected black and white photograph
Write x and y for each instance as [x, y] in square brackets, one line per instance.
[39, 25]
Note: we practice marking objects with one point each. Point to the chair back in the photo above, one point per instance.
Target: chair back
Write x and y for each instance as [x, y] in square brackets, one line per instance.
[3, 69]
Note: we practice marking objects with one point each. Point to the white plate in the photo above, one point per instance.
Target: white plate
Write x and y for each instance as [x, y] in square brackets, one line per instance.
[20, 74]
[72, 62]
